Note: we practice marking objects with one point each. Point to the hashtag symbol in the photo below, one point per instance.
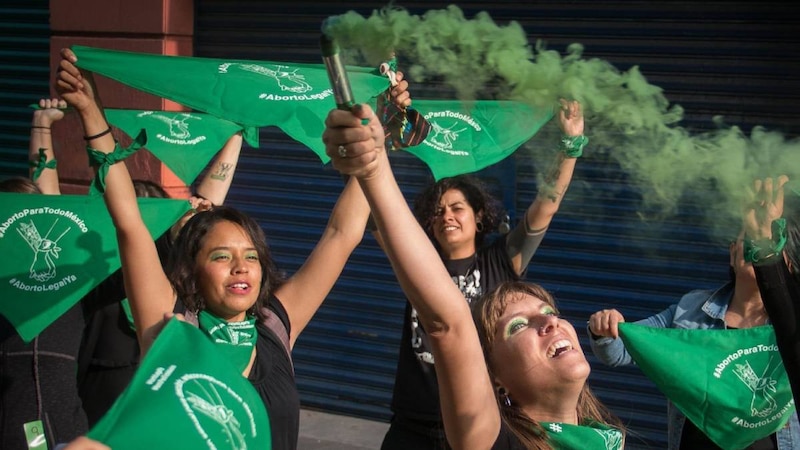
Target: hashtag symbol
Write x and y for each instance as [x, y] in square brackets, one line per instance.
[555, 427]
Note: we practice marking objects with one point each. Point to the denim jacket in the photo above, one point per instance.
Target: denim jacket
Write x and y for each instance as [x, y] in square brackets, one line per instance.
[699, 309]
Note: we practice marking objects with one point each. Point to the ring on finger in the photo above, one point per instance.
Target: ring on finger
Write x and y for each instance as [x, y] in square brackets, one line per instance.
[342, 151]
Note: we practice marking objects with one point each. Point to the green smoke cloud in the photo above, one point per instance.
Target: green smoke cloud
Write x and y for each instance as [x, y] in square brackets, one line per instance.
[628, 119]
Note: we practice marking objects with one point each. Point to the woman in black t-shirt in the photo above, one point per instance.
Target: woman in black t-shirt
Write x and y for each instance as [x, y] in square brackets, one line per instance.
[538, 371]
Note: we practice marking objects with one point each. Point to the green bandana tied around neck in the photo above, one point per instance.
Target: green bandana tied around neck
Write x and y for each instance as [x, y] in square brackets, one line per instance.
[41, 164]
[466, 137]
[730, 383]
[234, 339]
[181, 397]
[590, 436]
[184, 141]
[295, 97]
[105, 160]
[56, 248]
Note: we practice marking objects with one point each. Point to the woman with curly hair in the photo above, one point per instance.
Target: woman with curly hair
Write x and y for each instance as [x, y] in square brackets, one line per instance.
[457, 214]
[525, 387]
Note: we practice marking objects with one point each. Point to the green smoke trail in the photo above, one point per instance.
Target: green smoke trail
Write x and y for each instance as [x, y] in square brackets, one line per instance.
[628, 119]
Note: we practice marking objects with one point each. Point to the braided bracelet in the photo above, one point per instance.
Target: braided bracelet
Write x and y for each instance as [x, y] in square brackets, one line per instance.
[572, 146]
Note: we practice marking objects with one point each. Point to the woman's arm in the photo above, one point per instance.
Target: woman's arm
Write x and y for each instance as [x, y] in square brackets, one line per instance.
[217, 180]
[148, 289]
[41, 144]
[523, 241]
[780, 291]
[304, 292]
[469, 409]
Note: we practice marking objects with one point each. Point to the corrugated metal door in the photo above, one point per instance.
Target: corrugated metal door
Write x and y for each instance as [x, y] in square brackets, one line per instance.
[24, 77]
[736, 59]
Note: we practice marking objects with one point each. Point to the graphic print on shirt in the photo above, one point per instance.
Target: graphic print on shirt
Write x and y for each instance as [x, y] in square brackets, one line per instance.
[469, 285]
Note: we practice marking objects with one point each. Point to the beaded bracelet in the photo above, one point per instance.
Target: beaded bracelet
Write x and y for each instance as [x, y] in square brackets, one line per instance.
[760, 251]
[572, 146]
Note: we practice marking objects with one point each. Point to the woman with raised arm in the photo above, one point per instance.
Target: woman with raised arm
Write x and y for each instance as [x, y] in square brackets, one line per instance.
[457, 214]
[220, 268]
[772, 244]
[535, 364]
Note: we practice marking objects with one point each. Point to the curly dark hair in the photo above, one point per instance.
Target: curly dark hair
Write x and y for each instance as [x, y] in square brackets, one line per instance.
[181, 265]
[486, 311]
[482, 202]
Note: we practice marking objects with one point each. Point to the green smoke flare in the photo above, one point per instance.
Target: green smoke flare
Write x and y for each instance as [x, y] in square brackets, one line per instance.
[629, 120]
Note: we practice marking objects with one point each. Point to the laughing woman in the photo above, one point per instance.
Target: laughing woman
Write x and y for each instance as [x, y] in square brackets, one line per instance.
[530, 366]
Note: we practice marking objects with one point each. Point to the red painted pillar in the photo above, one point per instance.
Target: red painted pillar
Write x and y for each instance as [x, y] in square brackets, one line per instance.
[153, 26]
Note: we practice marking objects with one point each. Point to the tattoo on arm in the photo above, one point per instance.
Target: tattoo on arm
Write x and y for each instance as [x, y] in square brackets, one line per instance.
[221, 171]
[549, 188]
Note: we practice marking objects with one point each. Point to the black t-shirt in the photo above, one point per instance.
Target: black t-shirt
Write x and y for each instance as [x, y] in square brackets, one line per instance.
[40, 377]
[109, 352]
[416, 394]
[507, 440]
[693, 438]
[273, 378]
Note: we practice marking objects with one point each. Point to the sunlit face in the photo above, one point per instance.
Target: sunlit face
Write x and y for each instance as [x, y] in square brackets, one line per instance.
[455, 224]
[228, 271]
[536, 353]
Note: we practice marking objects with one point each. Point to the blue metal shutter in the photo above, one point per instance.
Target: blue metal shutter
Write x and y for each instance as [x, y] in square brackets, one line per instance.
[24, 77]
[734, 59]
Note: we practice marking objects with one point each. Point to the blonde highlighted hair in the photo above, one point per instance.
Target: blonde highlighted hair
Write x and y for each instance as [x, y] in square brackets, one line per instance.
[486, 311]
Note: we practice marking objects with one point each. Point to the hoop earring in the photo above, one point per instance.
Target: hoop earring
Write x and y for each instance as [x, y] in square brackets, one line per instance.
[479, 226]
[504, 398]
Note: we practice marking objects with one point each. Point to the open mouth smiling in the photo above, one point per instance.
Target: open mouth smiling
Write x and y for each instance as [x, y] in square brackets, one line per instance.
[558, 348]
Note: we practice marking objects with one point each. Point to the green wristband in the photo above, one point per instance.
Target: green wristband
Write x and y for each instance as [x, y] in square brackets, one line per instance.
[759, 251]
[572, 146]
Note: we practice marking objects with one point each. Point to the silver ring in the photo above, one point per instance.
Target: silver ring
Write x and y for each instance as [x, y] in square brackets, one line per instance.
[343, 151]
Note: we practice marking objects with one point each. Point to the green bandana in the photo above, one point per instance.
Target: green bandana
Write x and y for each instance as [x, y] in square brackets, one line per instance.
[104, 161]
[590, 436]
[41, 164]
[292, 96]
[730, 383]
[181, 397]
[467, 137]
[185, 142]
[56, 248]
[234, 339]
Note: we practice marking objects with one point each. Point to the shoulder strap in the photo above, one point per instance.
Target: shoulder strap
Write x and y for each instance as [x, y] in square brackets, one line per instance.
[274, 323]
[191, 317]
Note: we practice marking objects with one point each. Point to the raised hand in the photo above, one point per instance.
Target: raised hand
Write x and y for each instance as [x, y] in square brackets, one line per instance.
[73, 84]
[764, 206]
[51, 110]
[570, 118]
[605, 323]
[399, 92]
[354, 147]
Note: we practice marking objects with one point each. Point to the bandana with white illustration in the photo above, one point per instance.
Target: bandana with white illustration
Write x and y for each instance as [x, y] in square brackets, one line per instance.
[730, 383]
[182, 397]
[234, 339]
